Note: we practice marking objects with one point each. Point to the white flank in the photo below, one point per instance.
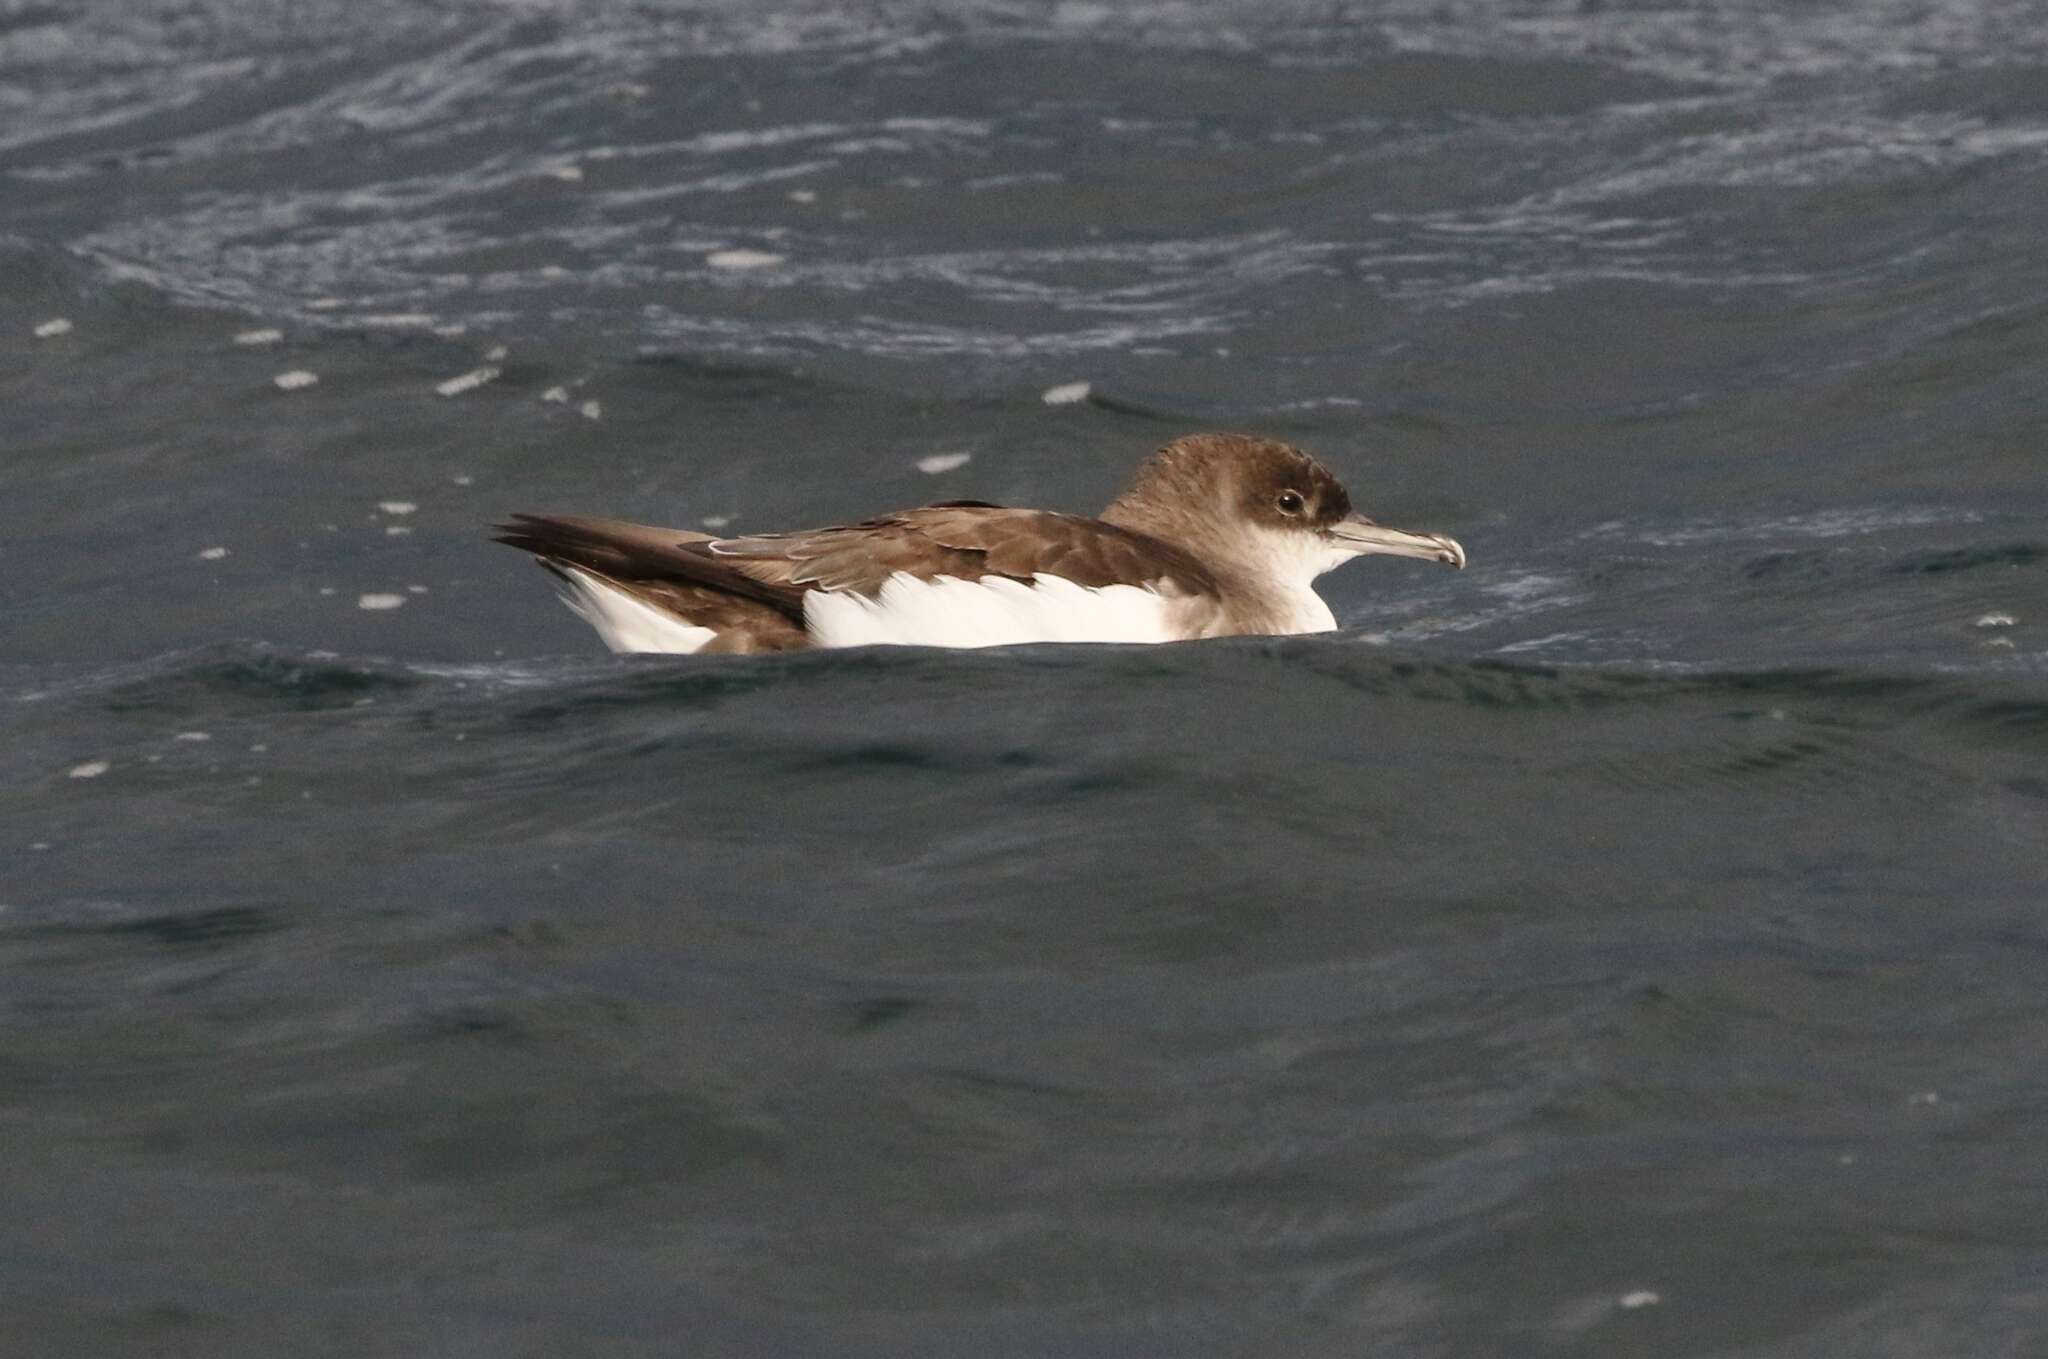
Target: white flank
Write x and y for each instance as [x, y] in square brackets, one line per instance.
[992, 611]
[624, 622]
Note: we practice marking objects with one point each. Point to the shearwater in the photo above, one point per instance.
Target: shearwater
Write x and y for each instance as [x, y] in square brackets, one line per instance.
[1217, 535]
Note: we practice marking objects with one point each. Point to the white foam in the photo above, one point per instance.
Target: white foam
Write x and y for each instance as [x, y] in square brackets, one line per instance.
[943, 462]
[212, 554]
[397, 506]
[1066, 394]
[295, 380]
[55, 326]
[1839, 523]
[377, 603]
[1539, 643]
[466, 382]
[742, 259]
[259, 337]
[91, 769]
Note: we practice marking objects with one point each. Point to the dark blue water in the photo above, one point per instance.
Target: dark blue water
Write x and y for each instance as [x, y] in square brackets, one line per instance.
[1634, 944]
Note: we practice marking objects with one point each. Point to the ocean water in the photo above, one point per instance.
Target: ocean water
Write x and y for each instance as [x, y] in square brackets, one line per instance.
[1636, 943]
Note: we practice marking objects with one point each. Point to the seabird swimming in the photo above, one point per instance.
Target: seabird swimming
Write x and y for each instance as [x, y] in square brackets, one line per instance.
[1217, 535]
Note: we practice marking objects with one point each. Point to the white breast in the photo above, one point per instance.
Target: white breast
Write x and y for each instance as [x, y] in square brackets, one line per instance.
[992, 611]
[1304, 611]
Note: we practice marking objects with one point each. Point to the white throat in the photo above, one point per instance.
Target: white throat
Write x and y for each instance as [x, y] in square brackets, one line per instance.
[1286, 563]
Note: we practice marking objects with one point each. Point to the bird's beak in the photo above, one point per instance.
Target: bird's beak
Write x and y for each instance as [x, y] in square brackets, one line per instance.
[1357, 534]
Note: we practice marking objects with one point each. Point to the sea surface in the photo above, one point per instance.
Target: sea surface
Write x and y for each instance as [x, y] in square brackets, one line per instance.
[1635, 944]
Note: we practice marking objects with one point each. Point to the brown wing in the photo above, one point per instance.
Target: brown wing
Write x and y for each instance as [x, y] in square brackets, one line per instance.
[667, 569]
[627, 553]
[967, 541]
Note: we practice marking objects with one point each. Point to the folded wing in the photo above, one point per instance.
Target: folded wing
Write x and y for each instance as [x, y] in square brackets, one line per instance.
[751, 593]
[624, 578]
[964, 540]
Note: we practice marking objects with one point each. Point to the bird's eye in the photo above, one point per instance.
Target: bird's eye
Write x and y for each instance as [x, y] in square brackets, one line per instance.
[1289, 502]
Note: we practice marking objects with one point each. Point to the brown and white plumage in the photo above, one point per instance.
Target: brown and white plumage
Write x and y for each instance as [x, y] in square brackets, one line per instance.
[1218, 534]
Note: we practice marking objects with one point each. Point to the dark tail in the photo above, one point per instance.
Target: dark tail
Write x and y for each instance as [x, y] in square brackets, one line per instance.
[666, 569]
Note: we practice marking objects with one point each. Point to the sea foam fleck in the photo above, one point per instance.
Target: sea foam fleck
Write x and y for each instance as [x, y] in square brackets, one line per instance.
[742, 259]
[466, 382]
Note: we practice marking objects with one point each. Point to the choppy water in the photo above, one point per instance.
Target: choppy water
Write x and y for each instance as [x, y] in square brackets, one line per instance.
[1633, 944]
